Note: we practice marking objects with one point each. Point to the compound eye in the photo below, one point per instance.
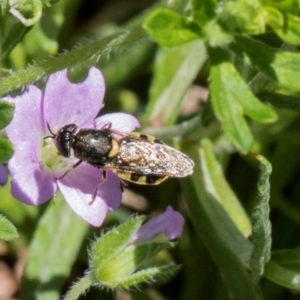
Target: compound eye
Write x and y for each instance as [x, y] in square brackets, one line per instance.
[63, 148]
[63, 143]
[115, 147]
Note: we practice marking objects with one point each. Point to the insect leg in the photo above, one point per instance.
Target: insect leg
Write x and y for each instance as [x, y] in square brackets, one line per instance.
[98, 185]
[72, 168]
[107, 125]
[123, 183]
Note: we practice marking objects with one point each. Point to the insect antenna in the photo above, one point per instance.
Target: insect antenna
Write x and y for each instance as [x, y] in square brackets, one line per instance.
[49, 136]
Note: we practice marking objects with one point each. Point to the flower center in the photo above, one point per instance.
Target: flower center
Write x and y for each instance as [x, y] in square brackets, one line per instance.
[53, 160]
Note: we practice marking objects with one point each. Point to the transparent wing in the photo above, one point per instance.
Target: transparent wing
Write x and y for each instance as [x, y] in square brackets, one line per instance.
[150, 158]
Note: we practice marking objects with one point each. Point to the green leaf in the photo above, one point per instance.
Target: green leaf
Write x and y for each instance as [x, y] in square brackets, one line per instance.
[11, 30]
[282, 101]
[274, 15]
[169, 28]
[285, 6]
[289, 258]
[232, 100]
[8, 231]
[53, 250]
[204, 11]
[246, 16]
[85, 56]
[121, 270]
[261, 225]
[108, 246]
[261, 83]
[219, 187]
[286, 27]
[206, 14]
[282, 276]
[226, 245]
[6, 150]
[33, 9]
[174, 71]
[281, 67]
[6, 113]
[156, 274]
[284, 268]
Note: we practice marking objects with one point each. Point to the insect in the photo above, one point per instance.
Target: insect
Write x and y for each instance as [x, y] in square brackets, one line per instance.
[134, 157]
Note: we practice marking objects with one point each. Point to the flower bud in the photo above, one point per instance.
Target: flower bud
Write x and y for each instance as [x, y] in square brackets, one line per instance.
[122, 258]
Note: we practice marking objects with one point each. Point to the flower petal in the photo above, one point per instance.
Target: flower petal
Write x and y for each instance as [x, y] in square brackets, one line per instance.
[66, 102]
[3, 176]
[32, 182]
[170, 223]
[27, 123]
[78, 187]
[119, 121]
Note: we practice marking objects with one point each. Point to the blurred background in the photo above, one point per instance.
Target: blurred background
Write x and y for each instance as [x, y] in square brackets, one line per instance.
[138, 82]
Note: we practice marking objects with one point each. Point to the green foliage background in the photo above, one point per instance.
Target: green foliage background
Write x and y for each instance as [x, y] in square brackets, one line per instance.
[241, 239]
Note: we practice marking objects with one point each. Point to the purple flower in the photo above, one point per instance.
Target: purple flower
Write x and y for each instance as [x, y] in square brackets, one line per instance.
[36, 165]
[3, 177]
[169, 224]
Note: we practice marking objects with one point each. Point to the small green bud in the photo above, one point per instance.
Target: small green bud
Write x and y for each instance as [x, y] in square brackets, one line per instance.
[124, 256]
